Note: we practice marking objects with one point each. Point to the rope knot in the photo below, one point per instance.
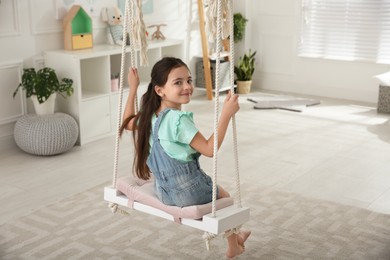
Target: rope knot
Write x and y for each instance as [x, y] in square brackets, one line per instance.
[113, 207]
[208, 237]
[232, 231]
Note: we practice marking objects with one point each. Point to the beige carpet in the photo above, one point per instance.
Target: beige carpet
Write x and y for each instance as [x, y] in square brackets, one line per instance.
[284, 225]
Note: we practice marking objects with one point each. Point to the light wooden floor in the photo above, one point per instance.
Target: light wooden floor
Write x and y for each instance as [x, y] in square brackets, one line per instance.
[336, 151]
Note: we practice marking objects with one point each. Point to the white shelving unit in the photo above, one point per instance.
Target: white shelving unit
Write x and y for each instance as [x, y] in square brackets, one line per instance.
[93, 104]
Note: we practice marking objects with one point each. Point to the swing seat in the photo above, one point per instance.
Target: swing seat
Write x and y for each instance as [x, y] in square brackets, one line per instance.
[139, 195]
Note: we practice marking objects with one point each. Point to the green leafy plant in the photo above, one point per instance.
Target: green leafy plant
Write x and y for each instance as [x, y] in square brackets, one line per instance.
[239, 23]
[43, 83]
[245, 67]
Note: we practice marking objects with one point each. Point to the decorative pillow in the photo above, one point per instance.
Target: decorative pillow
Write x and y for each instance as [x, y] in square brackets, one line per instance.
[384, 78]
[144, 193]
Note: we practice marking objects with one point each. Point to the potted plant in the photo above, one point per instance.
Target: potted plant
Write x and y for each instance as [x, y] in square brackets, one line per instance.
[239, 23]
[42, 86]
[244, 71]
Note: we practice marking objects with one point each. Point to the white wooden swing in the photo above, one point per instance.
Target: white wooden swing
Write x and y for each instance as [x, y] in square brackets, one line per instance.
[224, 215]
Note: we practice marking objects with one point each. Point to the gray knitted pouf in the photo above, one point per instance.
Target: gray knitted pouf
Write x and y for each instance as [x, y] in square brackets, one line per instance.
[46, 134]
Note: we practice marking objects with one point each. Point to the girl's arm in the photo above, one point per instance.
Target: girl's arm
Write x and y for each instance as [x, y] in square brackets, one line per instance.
[134, 81]
[206, 146]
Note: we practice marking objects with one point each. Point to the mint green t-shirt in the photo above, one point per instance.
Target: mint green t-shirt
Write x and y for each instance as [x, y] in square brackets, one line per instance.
[177, 129]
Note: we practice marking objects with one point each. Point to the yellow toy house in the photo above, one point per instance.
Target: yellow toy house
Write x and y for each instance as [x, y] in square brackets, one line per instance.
[77, 29]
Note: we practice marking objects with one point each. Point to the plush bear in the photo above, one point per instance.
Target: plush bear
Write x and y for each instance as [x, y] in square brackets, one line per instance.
[114, 19]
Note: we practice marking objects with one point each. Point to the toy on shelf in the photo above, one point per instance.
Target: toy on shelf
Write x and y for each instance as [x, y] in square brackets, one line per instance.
[157, 34]
[77, 29]
[113, 17]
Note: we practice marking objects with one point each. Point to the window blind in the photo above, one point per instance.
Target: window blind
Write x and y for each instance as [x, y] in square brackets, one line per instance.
[346, 30]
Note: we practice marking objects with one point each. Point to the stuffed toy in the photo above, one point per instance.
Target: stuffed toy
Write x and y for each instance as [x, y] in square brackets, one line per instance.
[114, 19]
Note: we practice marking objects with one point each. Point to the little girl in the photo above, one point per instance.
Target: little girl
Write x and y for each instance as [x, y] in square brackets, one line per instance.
[168, 144]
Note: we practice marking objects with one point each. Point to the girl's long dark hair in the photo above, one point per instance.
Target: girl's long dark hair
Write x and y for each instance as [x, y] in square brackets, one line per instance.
[150, 103]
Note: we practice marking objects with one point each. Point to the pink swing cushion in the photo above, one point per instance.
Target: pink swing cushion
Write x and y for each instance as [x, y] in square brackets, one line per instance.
[143, 192]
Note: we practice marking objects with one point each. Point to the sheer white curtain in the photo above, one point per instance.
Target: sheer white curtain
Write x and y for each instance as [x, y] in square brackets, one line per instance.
[346, 30]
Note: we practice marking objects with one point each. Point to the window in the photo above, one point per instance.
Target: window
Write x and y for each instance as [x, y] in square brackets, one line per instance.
[346, 30]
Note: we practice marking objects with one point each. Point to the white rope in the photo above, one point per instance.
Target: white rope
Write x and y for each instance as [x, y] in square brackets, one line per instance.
[227, 19]
[130, 16]
[216, 107]
[138, 33]
[128, 21]
[130, 12]
[232, 231]
[229, 13]
[234, 126]
[120, 96]
[207, 236]
[114, 208]
[212, 20]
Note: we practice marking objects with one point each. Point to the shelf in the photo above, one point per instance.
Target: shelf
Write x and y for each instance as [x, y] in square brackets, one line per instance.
[214, 55]
[109, 49]
[222, 55]
[89, 94]
[220, 90]
[125, 89]
[94, 105]
[163, 43]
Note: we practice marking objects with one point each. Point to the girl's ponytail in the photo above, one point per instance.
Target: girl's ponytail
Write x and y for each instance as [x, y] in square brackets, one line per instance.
[150, 103]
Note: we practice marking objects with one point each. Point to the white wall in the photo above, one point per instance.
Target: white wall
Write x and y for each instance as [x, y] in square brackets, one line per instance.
[29, 27]
[276, 38]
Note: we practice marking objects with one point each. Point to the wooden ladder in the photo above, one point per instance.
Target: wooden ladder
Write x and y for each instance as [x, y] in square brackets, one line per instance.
[205, 51]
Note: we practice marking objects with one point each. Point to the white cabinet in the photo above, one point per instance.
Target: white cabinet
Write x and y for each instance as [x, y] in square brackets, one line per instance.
[95, 119]
[93, 104]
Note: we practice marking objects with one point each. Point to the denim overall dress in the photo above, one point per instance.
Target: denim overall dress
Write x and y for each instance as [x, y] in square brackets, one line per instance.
[177, 183]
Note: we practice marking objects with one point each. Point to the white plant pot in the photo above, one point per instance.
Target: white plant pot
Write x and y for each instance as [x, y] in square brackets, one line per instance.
[114, 85]
[244, 87]
[46, 107]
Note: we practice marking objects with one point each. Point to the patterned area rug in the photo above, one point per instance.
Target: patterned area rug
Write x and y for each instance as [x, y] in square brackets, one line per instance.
[284, 226]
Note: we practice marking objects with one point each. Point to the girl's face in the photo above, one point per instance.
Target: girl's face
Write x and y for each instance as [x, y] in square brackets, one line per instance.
[177, 90]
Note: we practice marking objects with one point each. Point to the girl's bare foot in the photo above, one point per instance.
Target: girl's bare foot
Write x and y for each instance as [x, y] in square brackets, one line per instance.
[235, 251]
[242, 237]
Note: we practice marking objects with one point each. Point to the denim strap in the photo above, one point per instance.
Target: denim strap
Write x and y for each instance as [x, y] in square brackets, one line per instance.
[157, 124]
